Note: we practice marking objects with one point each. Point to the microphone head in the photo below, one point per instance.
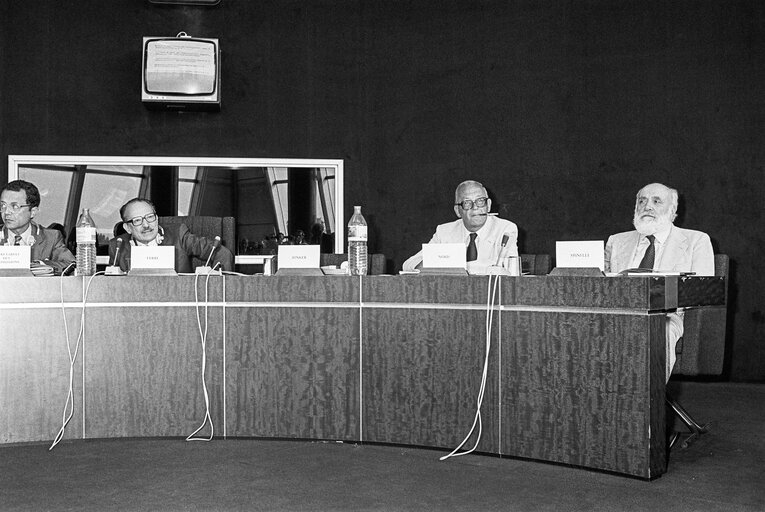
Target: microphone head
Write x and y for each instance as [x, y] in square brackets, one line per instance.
[215, 245]
[119, 242]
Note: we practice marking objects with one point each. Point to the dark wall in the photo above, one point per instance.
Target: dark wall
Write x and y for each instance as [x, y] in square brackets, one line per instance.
[563, 109]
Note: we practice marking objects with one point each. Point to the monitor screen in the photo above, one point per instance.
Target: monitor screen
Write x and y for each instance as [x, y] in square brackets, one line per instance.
[180, 66]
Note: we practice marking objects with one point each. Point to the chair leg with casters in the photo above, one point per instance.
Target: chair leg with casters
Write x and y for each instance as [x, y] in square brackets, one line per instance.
[695, 429]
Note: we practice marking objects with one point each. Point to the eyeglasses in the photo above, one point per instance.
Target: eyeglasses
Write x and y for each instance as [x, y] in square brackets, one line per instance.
[14, 207]
[467, 204]
[137, 221]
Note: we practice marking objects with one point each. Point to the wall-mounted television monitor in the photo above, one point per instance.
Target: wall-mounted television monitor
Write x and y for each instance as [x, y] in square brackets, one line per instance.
[181, 73]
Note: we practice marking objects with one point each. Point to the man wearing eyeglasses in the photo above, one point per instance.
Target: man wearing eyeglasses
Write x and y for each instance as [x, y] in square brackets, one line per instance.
[142, 227]
[481, 232]
[19, 204]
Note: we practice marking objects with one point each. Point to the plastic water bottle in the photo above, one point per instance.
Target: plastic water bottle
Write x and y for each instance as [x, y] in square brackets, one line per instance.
[357, 243]
[86, 244]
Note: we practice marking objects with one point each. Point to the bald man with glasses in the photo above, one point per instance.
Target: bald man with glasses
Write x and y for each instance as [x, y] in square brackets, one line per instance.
[481, 232]
[19, 204]
[141, 223]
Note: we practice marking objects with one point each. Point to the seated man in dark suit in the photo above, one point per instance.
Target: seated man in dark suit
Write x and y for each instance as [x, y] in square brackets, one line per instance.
[142, 227]
[19, 204]
[657, 244]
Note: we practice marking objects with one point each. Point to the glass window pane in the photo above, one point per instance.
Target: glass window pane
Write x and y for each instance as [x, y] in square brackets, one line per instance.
[186, 172]
[185, 191]
[187, 180]
[327, 183]
[279, 191]
[54, 186]
[104, 195]
[125, 169]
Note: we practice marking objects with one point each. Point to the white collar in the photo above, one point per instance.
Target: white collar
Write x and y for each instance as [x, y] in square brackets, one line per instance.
[482, 231]
[26, 237]
[662, 235]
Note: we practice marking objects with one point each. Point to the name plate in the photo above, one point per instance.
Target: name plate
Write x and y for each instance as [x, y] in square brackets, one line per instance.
[299, 256]
[152, 257]
[443, 255]
[580, 254]
[15, 256]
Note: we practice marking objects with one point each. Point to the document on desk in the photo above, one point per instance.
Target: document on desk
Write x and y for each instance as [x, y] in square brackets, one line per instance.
[444, 258]
[152, 260]
[299, 260]
[15, 260]
[580, 254]
[15, 256]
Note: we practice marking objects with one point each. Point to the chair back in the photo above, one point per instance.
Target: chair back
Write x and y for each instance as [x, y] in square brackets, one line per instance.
[701, 350]
[208, 227]
[536, 264]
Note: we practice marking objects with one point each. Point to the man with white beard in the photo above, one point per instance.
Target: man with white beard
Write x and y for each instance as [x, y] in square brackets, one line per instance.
[657, 244]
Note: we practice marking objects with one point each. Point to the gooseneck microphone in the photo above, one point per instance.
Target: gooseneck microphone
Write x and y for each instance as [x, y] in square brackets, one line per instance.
[117, 251]
[216, 243]
[114, 269]
[205, 269]
[505, 238]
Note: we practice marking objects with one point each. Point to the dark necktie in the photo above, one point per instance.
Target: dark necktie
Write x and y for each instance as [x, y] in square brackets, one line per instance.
[17, 240]
[472, 251]
[650, 253]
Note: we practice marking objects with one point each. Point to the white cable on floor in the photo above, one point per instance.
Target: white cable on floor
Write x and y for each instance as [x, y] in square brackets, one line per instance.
[491, 293]
[69, 403]
[203, 338]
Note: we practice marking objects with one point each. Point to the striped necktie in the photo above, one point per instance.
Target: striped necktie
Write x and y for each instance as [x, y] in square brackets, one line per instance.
[17, 240]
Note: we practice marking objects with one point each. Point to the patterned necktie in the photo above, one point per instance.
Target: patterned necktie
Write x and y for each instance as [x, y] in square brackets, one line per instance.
[472, 250]
[650, 253]
[17, 240]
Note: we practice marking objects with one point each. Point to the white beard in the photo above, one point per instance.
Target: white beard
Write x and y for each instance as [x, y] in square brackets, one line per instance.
[649, 226]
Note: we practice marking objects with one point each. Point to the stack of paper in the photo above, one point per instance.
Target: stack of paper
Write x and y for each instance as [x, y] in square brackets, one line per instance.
[39, 268]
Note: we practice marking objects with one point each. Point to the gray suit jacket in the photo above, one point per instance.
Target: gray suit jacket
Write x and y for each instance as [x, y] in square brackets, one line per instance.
[686, 250]
[49, 247]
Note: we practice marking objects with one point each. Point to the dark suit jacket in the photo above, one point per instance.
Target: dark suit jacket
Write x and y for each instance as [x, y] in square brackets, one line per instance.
[49, 247]
[187, 246]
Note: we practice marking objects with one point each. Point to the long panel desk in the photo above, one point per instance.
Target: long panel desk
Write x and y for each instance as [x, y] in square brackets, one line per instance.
[575, 369]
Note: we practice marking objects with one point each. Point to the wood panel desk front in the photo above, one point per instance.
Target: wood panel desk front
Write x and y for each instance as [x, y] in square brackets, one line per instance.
[575, 373]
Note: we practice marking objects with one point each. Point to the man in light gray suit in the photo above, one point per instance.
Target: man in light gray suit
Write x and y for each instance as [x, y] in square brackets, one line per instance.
[657, 244]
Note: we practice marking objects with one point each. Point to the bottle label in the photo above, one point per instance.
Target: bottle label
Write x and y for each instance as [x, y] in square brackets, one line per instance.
[357, 233]
[86, 235]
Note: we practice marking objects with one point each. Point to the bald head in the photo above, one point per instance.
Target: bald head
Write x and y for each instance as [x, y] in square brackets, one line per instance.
[474, 193]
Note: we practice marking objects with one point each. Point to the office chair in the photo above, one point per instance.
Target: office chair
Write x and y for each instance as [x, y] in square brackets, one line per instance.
[536, 264]
[700, 352]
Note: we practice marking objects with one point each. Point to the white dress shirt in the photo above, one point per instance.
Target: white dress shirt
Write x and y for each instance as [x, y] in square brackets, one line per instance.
[488, 242]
